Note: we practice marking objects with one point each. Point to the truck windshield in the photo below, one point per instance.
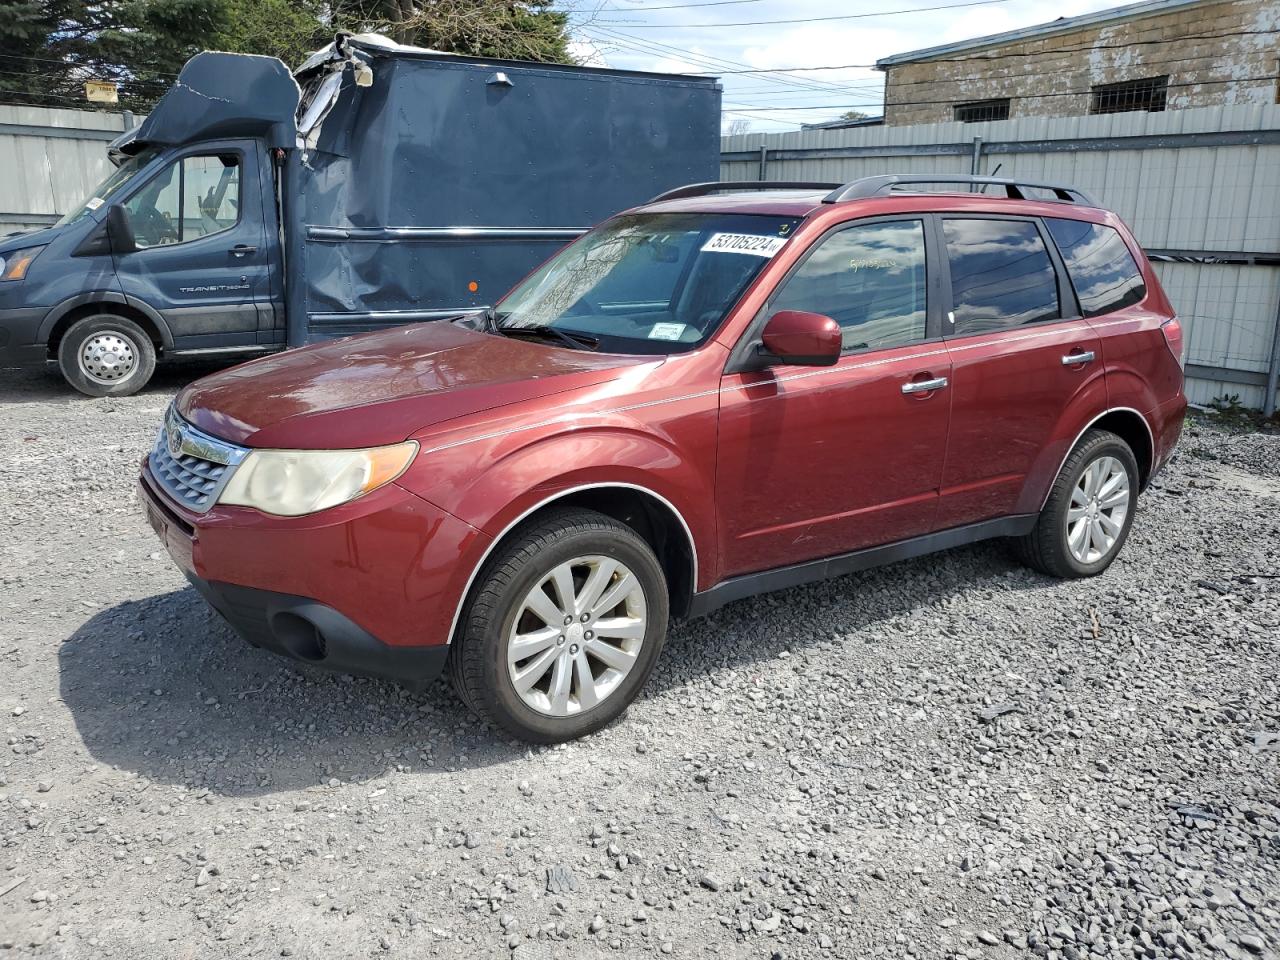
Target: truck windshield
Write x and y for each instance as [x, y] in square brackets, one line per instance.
[103, 192]
[650, 282]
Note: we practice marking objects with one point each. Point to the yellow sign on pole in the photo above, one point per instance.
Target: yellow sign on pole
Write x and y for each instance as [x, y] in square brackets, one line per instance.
[101, 91]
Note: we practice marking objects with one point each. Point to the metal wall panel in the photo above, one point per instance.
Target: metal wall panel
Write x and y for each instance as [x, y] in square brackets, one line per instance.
[1176, 188]
[44, 173]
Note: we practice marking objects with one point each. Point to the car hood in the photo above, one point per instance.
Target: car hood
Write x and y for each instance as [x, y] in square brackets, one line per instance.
[380, 388]
[21, 239]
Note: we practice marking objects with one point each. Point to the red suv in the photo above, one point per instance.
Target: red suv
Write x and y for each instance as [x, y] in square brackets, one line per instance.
[706, 397]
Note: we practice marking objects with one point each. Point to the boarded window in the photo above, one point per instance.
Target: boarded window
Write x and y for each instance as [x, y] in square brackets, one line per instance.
[980, 110]
[1147, 94]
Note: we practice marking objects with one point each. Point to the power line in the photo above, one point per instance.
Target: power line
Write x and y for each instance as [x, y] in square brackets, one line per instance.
[1010, 55]
[1037, 96]
[673, 6]
[654, 48]
[764, 23]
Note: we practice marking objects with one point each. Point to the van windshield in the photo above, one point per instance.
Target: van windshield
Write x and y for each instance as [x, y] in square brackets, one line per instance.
[103, 192]
[652, 283]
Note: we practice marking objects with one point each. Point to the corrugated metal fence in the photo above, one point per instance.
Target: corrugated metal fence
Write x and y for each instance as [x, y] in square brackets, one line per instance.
[1201, 189]
[50, 160]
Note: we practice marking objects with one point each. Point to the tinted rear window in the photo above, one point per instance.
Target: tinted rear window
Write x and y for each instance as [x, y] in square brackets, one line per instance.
[1001, 275]
[1102, 269]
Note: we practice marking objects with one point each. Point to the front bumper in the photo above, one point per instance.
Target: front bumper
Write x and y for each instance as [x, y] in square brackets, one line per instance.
[19, 328]
[369, 587]
[303, 629]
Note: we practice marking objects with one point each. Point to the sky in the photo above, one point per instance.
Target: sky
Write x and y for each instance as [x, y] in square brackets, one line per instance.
[718, 36]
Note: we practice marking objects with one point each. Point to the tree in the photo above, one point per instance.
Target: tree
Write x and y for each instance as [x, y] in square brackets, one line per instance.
[513, 29]
[739, 126]
[288, 29]
[854, 115]
[49, 48]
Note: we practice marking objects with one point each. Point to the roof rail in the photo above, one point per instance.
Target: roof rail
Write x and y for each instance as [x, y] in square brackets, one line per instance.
[882, 186]
[702, 189]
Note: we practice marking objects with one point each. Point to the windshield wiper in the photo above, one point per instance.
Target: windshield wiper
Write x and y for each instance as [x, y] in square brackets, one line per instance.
[575, 341]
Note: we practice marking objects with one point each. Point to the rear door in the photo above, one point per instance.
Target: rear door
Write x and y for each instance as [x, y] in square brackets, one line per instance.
[1021, 355]
[202, 257]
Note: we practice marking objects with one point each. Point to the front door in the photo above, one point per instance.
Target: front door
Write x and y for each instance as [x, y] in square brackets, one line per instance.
[202, 257]
[815, 462]
[1020, 356]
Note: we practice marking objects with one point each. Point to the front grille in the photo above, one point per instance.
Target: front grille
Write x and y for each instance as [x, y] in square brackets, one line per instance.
[190, 466]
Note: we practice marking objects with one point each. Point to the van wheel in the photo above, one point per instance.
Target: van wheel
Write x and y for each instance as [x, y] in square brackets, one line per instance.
[1090, 509]
[563, 629]
[106, 356]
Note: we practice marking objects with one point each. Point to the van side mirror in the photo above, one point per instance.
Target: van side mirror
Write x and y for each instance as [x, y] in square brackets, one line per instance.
[120, 230]
[800, 338]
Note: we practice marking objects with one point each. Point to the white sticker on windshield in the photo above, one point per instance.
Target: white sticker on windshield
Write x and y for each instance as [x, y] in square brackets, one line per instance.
[94, 203]
[666, 331]
[749, 243]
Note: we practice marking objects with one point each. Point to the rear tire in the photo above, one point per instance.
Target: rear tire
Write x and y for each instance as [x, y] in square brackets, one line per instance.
[1087, 518]
[519, 665]
[106, 355]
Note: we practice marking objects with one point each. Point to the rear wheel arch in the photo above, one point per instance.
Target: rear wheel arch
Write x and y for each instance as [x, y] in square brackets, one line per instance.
[1131, 427]
[652, 516]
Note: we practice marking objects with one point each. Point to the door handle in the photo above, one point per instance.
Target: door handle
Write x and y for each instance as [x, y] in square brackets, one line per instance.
[1080, 358]
[243, 250]
[924, 386]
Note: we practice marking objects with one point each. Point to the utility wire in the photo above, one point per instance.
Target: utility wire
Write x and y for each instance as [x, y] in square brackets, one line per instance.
[1010, 55]
[1038, 96]
[632, 25]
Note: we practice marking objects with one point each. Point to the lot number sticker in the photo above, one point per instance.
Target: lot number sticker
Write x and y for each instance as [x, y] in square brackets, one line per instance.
[666, 331]
[749, 243]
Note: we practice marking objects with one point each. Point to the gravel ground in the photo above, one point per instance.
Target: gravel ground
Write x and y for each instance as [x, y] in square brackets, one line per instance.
[947, 757]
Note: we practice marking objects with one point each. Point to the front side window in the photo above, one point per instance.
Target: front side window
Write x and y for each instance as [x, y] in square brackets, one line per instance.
[189, 199]
[650, 283]
[870, 279]
[1101, 268]
[1001, 275]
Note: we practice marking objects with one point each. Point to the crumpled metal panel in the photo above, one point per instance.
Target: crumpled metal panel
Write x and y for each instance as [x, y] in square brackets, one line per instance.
[223, 95]
[433, 144]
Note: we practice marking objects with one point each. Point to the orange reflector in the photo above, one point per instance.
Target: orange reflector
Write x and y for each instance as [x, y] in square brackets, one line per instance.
[473, 286]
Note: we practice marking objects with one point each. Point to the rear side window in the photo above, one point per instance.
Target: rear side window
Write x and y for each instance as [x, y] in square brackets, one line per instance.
[870, 279]
[1001, 275]
[1102, 269]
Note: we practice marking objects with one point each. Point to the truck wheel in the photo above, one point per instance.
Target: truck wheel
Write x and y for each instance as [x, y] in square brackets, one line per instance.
[106, 356]
[564, 628]
[1087, 517]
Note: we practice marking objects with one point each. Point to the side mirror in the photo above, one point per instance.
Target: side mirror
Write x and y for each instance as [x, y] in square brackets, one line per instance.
[800, 338]
[120, 230]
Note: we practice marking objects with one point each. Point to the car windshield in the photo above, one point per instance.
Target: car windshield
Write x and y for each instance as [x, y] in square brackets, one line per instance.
[114, 181]
[651, 283]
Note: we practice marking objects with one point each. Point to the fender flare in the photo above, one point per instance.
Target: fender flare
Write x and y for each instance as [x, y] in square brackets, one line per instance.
[105, 296]
[1151, 441]
[552, 498]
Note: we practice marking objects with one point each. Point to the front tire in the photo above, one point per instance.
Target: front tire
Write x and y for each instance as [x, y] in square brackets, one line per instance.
[563, 629]
[106, 356]
[1086, 520]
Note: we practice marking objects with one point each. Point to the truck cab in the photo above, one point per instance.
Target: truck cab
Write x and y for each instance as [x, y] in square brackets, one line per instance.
[256, 208]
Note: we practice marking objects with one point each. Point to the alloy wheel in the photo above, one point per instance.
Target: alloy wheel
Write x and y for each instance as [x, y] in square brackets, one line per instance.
[1099, 504]
[576, 635]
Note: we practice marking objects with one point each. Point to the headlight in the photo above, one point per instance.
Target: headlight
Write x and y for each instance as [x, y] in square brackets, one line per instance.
[290, 483]
[14, 264]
